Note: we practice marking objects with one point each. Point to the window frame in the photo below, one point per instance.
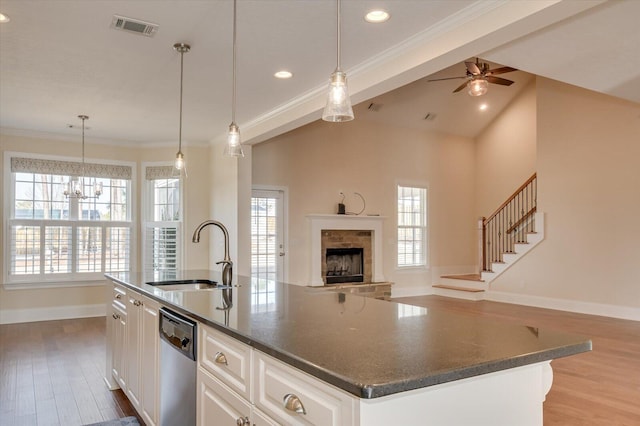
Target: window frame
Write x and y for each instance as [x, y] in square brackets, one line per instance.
[425, 265]
[148, 209]
[63, 279]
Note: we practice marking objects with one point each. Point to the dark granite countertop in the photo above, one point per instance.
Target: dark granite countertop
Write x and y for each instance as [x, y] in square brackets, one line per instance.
[367, 347]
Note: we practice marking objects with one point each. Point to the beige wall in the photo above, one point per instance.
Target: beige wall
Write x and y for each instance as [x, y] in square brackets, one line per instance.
[588, 160]
[317, 161]
[506, 152]
[58, 301]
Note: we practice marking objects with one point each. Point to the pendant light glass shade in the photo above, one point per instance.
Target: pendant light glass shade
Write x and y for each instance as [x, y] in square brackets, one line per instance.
[234, 144]
[338, 106]
[234, 147]
[478, 86]
[181, 48]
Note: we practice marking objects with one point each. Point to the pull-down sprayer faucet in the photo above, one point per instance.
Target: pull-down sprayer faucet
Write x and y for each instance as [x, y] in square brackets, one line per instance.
[227, 268]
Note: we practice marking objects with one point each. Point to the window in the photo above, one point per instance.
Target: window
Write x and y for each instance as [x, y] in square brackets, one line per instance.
[412, 226]
[163, 227]
[54, 239]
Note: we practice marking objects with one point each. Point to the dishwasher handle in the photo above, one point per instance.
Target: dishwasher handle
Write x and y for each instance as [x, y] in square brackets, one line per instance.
[179, 332]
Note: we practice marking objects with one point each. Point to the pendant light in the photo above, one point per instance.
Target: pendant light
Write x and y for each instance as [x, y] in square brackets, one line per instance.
[234, 145]
[338, 107]
[76, 190]
[181, 48]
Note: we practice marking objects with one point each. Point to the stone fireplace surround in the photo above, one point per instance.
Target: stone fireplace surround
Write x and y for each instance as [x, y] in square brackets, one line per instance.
[333, 222]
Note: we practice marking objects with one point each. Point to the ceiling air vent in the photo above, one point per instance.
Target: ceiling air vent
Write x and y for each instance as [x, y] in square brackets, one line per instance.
[134, 26]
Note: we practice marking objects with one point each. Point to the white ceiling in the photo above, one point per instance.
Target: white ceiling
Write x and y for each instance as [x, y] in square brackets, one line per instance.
[59, 59]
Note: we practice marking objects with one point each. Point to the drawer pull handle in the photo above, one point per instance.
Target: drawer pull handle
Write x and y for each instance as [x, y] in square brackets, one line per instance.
[243, 421]
[115, 316]
[220, 358]
[118, 296]
[293, 403]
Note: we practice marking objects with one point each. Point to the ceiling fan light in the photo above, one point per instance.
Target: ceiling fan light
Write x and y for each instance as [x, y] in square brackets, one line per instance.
[338, 107]
[234, 147]
[477, 86]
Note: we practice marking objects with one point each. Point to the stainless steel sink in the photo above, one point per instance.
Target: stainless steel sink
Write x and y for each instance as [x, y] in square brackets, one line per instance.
[193, 284]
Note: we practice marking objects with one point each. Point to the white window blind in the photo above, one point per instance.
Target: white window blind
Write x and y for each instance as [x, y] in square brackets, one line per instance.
[163, 225]
[57, 240]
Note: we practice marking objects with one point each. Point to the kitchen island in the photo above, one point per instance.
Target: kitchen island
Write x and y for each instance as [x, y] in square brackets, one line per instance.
[384, 362]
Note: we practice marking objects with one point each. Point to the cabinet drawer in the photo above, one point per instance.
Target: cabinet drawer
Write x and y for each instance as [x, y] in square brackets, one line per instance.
[321, 404]
[227, 359]
[120, 296]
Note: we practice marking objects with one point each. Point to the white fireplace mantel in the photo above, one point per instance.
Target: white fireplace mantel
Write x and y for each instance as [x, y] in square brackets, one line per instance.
[320, 222]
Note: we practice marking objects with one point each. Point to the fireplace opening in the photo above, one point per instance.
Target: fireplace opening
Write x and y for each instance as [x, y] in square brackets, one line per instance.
[344, 265]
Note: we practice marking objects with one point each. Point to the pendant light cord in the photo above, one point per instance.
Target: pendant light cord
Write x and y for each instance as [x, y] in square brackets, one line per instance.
[338, 38]
[233, 95]
[181, 78]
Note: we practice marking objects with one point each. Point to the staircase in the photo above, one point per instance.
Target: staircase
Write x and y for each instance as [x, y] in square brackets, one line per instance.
[508, 234]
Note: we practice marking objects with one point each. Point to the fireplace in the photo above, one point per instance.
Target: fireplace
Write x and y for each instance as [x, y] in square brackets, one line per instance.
[331, 231]
[345, 265]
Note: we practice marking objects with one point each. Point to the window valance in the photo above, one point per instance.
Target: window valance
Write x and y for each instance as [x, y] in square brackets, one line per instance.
[160, 172]
[69, 168]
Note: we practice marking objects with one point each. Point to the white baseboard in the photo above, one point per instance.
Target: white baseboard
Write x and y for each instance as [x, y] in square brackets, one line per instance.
[11, 316]
[397, 291]
[581, 307]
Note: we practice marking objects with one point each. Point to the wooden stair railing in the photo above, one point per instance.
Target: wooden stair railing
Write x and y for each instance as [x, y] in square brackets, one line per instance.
[509, 224]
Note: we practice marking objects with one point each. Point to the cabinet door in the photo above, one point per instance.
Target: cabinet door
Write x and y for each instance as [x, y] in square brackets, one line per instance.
[149, 360]
[133, 349]
[217, 404]
[119, 334]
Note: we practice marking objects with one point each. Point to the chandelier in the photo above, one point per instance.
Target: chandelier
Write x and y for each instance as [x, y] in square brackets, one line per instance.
[76, 189]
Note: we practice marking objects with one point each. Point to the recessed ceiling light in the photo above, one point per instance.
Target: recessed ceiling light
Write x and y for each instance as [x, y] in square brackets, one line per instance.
[283, 74]
[4, 18]
[483, 107]
[377, 16]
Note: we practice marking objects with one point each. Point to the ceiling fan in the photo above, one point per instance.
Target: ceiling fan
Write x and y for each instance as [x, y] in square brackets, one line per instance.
[478, 77]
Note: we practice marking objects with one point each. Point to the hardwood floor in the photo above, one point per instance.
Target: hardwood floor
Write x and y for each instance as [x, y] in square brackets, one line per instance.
[51, 373]
[601, 387]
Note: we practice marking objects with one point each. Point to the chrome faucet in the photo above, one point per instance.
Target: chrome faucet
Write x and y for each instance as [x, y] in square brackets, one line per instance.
[227, 268]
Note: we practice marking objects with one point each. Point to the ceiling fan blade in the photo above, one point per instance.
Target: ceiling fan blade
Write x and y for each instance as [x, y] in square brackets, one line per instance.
[447, 78]
[498, 80]
[472, 67]
[462, 86]
[501, 70]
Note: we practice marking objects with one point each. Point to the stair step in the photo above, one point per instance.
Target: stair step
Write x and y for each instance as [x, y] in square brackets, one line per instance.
[458, 292]
[466, 277]
[458, 288]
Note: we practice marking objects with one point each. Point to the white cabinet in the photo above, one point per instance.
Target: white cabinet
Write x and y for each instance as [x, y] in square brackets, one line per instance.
[116, 337]
[227, 359]
[293, 397]
[242, 385]
[133, 350]
[149, 355]
[217, 404]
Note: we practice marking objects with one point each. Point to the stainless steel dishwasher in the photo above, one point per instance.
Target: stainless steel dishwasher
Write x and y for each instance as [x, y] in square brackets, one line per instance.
[177, 369]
